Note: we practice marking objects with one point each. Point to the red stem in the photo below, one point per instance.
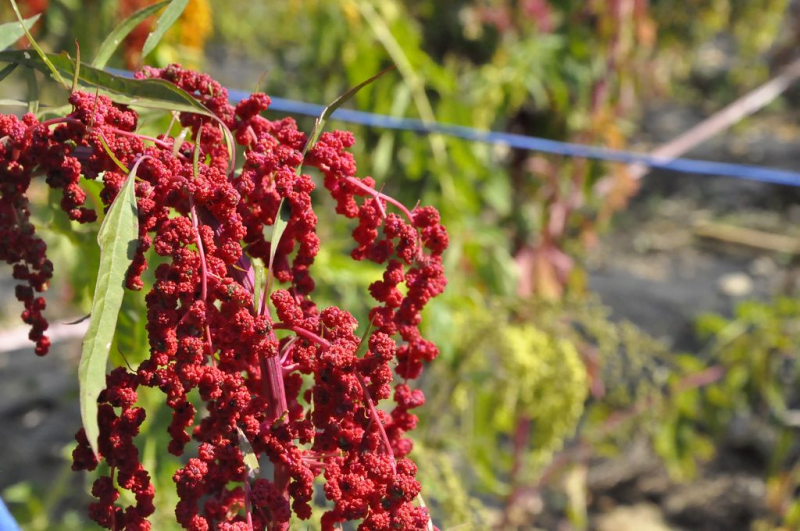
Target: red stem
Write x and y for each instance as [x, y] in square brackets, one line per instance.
[203, 273]
[311, 336]
[247, 500]
[381, 196]
[373, 413]
[302, 332]
[272, 373]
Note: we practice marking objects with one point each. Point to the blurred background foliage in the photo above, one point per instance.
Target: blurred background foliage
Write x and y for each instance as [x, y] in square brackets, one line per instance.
[531, 362]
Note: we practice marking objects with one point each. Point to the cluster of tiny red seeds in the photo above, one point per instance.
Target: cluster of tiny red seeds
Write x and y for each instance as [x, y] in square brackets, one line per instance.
[207, 332]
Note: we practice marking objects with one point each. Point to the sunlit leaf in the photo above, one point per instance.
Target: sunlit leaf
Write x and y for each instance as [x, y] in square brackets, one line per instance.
[36, 46]
[364, 344]
[115, 38]
[248, 456]
[327, 111]
[111, 155]
[258, 281]
[10, 32]
[153, 93]
[118, 238]
[165, 21]
[278, 228]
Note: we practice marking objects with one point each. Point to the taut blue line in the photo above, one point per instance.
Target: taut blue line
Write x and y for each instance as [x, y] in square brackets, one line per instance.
[529, 143]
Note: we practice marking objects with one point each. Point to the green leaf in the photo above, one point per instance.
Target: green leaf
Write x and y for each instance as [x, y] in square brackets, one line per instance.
[165, 21]
[153, 93]
[14, 103]
[196, 154]
[10, 32]
[110, 153]
[178, 142]
[278, 228]
[364, 344]
[327, 111]
[258, 282]
[7, 70]
[248, 456]
[283, 213]
[33, 92]
[36, 46]
[118, 238]
[115, 38]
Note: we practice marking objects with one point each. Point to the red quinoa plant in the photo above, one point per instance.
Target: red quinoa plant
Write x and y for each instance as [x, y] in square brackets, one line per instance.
[280, 379]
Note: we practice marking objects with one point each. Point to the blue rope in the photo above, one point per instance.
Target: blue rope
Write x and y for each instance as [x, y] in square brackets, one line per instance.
[529, 143]
[7, 522]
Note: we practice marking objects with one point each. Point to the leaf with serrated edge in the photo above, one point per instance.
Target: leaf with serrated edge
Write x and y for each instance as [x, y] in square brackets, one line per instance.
[115, 38]
[164, 22]
[38, 48]
[10, 32]
[118, 238]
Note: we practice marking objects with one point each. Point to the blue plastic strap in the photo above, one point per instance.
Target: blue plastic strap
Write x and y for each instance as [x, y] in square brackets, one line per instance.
[7, 522]
[529, 143]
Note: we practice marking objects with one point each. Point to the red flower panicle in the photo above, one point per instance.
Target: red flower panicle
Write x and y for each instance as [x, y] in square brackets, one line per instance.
[207, 334]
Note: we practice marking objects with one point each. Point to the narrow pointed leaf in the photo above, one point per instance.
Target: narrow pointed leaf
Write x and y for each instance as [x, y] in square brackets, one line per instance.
[77, 72]
[364, 344]
[196, 154]
[78, 321]
[111, 155]
[14, 103]
[42, 55]
[278, 228]
[327, 111]
[115, 38]
[248, 456]
[33, 92]
[10, 32]
[7, 70]
[165, 21]
[178, 142]
[282, 219]
[258, 282]
[153, 93]
[118, 240]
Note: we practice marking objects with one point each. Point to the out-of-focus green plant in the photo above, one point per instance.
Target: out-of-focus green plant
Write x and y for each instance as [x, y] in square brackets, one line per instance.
[539, 367]
[88, 23]
[722, 45]
[757, 355]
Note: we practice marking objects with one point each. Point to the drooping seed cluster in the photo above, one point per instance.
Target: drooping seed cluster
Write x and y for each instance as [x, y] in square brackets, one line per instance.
[276, 370]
